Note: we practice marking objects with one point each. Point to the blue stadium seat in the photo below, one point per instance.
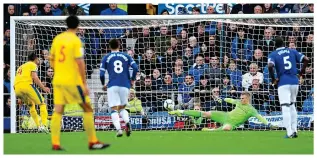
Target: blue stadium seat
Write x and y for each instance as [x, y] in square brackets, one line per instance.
[276, 113]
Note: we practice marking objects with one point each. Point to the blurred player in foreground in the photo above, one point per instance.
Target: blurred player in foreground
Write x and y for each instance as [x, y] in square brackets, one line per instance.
[28, 93]
[69, 83]
[229, 120]
[118, 64]
[285, 62]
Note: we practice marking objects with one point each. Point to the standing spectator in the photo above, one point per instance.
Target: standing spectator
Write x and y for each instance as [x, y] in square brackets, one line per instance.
[284, 8]
[202, 90]
[241, 49]
[201, 35]
[198, 68]
[45, 64]
[144, 41]
[214, 71]
[73, 9]
[227, 89]
[96, 8]
[178, 76]
[195, 11]
[235, 75]
[268, 8]
[25, 13]
[48, 83]
[210, 10]
[311, 8]
[7, 106]
[188, 59]
[34, 11]
[179, 62]
[148, 99]
[167, 86]
[6, 38]
[157, 80]
[213, 47]
[168, 60]
[184, 99]
[252, 74]
[132, 54]
[225, 64]
[56, 10]
[183, 39]
[258, 94]
[162, 40]
[7, 15]
[242, 8]
[149, 62]
[113, 10]
[258, 9]
[177, 49]
[258, 59]
[300, 8]
[214, 104]
[194, 45]
[47, 10]
[308, 78]
[307, 47]
[6, 81]
[266, 44]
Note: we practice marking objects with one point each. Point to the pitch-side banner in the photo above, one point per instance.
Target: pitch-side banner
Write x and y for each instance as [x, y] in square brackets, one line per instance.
[173, 8]
[137, 122]
[304, 121]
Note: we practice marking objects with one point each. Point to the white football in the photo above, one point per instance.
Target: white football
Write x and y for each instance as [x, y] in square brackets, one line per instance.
[169, 104]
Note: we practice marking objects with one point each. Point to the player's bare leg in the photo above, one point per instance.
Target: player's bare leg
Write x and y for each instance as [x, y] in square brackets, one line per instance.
[89, 127]
[125, 116]
[56, 126]
[116, 120]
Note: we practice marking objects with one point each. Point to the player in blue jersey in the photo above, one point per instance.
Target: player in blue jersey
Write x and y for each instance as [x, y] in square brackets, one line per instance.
[118, 64]
[284, 60]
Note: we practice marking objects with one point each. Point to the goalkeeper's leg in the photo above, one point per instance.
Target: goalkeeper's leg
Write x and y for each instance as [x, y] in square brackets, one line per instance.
[225, 127]
[217, 116]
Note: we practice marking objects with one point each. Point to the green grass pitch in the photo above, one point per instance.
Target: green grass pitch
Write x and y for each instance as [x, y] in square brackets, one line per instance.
[166, 142]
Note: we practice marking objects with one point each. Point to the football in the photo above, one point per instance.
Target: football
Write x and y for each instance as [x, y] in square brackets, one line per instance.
[169, 104]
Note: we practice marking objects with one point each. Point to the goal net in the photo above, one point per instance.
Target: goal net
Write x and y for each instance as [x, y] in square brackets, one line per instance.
[191, 60]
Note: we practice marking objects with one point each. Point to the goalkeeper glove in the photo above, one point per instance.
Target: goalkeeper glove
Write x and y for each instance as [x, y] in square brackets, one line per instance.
[219, 100]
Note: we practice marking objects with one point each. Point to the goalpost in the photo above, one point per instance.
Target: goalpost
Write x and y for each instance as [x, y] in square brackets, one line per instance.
[231, 46]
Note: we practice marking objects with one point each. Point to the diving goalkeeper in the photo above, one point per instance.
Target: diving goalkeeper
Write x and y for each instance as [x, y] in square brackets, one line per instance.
[229, 120]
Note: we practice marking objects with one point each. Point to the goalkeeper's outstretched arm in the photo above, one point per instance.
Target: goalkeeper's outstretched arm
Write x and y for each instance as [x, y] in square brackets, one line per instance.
[262, 119]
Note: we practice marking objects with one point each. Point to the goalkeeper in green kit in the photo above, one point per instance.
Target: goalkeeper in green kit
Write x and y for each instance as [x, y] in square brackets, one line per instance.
[229, 120]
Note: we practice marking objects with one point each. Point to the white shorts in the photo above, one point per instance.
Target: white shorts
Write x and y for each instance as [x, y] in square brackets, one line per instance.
[117, 96]
[287, 94]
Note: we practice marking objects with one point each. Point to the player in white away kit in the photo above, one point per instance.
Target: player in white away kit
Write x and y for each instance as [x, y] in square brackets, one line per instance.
[117, 65]
[284, 60]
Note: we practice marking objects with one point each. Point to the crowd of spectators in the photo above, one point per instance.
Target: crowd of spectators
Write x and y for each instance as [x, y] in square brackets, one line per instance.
[209, 59]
